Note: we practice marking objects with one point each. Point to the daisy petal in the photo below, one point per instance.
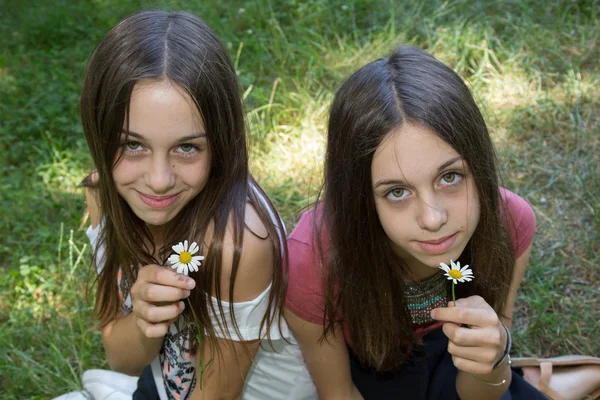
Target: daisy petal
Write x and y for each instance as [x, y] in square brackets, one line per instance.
[185, 245]
[197, 259]
[174, 258]
[444, 267]
[175, 265]
[194, 266]
[182, 269]
[178, 248]
[194, 248]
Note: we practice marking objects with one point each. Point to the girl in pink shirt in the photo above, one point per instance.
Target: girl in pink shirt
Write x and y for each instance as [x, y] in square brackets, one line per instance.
[410, 182]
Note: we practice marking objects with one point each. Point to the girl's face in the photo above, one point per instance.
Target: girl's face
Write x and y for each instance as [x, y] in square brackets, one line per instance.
[165, 161]
[425, 197]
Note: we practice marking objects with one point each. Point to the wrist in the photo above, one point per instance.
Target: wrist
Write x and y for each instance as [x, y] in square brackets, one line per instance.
[499, 376]
[504, 358]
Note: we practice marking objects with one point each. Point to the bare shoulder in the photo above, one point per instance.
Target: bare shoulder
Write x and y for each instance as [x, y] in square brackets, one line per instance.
[91, 199]
[255, 269]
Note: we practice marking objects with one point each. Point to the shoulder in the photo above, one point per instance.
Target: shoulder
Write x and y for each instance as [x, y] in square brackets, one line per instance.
[91, 198]
[519, 219]
[255, 268]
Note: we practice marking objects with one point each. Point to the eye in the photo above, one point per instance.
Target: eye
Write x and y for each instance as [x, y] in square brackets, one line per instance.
[397, 194]
[186, 148]
[450, 178]
[134, 146]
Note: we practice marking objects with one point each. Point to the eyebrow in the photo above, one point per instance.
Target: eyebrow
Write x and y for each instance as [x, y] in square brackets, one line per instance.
[397, 181]
[198, 135]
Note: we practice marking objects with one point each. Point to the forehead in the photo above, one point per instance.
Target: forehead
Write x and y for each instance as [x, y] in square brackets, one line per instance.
[162, 107]
[410, 152]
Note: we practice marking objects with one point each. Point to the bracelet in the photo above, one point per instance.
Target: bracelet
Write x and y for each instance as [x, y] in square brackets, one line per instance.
[506, 349]
[492, 383]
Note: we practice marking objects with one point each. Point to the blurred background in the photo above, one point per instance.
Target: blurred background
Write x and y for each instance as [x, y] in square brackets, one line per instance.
[533, 67]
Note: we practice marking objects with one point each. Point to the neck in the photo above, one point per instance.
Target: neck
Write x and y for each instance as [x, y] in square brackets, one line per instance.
[158, 235]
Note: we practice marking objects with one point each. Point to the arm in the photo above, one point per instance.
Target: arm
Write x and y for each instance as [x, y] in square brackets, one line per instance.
[327, 360]
[224, 378]
[468, 387]
[132, 341]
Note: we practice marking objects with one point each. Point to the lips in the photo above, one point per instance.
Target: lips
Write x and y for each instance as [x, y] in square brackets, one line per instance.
[158, 201]
[438, 246]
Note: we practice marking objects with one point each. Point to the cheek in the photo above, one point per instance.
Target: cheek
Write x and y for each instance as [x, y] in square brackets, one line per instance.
[473, 216]
[196, 175]
[395, 225]
[126, 172]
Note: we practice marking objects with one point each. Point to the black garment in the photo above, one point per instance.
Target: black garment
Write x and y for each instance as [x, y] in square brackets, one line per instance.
[430, 375]
[146, 388]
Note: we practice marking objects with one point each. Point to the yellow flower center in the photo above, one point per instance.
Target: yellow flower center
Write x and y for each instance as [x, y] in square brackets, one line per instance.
[455, 274]
[185, 257]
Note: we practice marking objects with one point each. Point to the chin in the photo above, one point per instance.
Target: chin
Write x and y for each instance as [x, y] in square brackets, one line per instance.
[154, 220]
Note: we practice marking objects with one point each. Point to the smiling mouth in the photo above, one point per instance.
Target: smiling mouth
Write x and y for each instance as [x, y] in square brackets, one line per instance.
[438, 246]
[158, 201]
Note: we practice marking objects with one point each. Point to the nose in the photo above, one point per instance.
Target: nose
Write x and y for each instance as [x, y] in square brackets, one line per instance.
[159, 176]
[432, 214]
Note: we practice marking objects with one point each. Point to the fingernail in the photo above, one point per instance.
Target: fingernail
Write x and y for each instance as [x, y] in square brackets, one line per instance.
[432, 314]
[191, 283]
[182, 305]
[186, 293]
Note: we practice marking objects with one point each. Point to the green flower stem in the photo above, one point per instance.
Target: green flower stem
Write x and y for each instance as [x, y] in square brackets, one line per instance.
[201, 366]
[453, 297]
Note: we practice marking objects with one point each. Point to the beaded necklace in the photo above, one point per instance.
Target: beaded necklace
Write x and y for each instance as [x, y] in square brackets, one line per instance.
[422, 297]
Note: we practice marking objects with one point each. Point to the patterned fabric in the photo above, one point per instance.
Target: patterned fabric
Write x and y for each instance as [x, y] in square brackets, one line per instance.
[422, 297]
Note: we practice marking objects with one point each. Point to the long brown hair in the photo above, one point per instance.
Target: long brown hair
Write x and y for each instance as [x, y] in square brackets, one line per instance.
[179, 47]
[364, 279]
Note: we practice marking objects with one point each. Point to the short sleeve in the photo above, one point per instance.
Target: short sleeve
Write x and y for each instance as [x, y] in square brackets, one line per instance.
[305, 296]
[93, 236]
[520, 221]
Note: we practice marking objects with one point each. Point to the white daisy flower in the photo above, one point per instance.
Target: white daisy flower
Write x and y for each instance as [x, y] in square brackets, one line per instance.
[456, 273]
[185, 261]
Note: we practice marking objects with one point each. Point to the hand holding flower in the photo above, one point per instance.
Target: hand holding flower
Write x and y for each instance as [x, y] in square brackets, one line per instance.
[476, 337]
[156, 298]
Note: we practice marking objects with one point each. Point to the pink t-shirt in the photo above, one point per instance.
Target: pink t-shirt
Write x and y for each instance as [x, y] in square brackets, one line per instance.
[305, 295]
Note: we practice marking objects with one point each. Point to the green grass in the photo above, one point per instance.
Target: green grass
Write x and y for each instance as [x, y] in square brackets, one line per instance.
[533, 66]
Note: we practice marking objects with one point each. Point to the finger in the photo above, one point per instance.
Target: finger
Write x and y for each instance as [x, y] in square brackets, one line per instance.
[471, 366]
[165, 276]
[462, 336]
[157, 293]
[472, 302]
[152, 330]
[468, 316]
[483, 355]
[156, 314]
